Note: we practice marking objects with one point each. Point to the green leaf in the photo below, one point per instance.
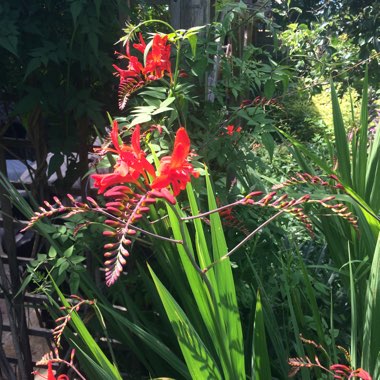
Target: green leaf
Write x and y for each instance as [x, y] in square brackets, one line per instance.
[62, 267]
[77, 259]
[33, 65]
[167, 101]
[154, 94]
[97, 3]
[311, 294]
[69, 251]
[97, 354]
[76, 8]
[9, 29]
[99, 371]
[194, 29]
[269, 144]
[140, 119]
[25, 283]
[343, 154]
[199, 360]
[360, 163]
[52, 252]
[74, 282]
[260, 357]
[161, 110]
[354, 314]
[269, 88]
[225, 287]
[193, 39]
[371, 340]
[94, 42]
[150, 340]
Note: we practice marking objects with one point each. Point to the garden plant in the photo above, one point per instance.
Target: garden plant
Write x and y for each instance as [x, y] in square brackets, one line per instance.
[225, 247]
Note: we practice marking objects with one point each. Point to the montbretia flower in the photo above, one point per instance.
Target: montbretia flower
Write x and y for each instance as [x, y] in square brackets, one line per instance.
[175, 170]
[230, 130]
[157, 64]
[157, 59]
[130, 164]
[342, 371]
[50, 373]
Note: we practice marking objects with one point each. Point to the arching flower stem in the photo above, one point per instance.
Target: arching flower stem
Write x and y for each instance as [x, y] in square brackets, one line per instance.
[253, 233]
[204, 214]
[133, 227]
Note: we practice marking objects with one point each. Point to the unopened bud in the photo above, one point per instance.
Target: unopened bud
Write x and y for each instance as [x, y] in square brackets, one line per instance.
[109, 233]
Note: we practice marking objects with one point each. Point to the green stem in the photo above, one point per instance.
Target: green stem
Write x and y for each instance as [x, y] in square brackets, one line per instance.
[176, 70]
[104, 328]
[241, 201]
[228, 254]
[70, 365]
[133, 227]
[187, 249]
[150, 22]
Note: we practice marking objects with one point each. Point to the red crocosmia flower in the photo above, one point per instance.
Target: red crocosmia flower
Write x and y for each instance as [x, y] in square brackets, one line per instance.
[158, 60]
[130, 164]
[141, 46]
[360, 374]
[342, 371]
[175, 170]
[230, 130]
[136, 76]
[50, 374]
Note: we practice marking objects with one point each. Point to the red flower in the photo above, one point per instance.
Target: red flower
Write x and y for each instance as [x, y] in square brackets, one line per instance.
[361, 374]
[342, 371]
[50, 373]
[231, 130]
[130, 164]
[175, 170]
[158, 60]
[136, 76]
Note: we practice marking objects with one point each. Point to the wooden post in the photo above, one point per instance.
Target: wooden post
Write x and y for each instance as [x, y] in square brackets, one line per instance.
[15, 307]
[188, 13]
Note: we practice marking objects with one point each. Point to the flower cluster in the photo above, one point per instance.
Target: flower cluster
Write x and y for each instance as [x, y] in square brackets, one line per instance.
[53, 357]
[133, 186]
[50, 373]
[342, 371]
[338, 371]
[132, 167]
[130, 163]
[262, 101]
[231, 130]
[157, 64]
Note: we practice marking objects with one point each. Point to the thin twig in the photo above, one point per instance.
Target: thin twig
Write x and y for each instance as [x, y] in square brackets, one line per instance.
[133, 227]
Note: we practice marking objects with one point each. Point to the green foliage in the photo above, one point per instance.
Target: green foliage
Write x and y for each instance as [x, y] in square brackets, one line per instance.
[346, 248]
[329, 38]
[299, 114]
[315, 53]
[349, 98]
[253, 74]
[56, 59]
